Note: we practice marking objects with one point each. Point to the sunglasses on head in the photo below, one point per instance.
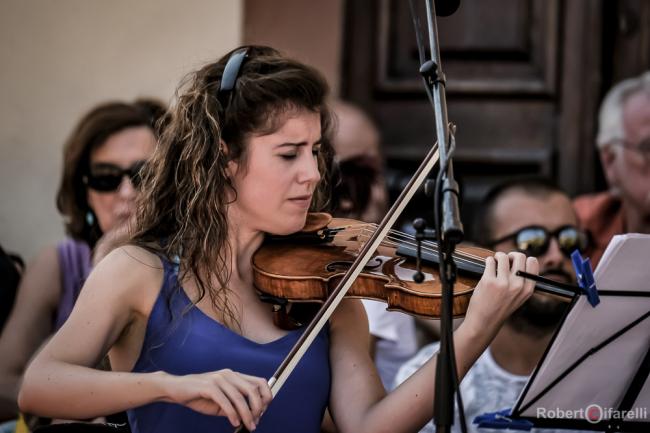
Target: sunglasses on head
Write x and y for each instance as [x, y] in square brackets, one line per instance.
[535, 240]
[108, 177]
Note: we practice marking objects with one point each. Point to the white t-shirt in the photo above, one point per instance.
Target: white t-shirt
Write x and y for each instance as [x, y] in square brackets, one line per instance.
[396, 339]
[485, 388]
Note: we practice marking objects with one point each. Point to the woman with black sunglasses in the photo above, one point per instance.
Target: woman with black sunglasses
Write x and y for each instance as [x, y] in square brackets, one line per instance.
[100, 181]
[246, 153]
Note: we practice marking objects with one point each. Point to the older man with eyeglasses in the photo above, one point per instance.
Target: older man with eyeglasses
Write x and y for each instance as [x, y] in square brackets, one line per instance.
[535, 217]
[624, 144]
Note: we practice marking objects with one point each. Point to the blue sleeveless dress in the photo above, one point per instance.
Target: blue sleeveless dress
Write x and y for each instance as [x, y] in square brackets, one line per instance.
[180, 339]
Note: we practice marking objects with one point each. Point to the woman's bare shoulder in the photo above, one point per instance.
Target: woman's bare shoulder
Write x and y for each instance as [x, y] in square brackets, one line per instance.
[43, 275]
[137, 255]
[134, 258]
[46, 262]
[128, 271]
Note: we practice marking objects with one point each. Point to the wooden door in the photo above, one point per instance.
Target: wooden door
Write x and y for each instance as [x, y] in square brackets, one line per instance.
[523, 84]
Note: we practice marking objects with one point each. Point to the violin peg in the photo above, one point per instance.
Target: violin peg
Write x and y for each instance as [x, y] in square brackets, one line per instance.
[418, 277]
[429, 187]
[419, 224]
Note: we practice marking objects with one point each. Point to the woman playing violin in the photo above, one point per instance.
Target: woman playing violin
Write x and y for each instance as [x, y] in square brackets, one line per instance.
[190, 342]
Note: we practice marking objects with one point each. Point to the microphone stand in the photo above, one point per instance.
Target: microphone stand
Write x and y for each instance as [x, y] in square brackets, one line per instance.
[449, 229]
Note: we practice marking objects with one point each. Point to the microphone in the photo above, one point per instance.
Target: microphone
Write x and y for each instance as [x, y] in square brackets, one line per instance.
[444, 8]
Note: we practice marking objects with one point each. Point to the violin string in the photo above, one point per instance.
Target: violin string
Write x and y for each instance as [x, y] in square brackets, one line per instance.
[407, 239]
[364, 230]
[427, 245]
[434, 247]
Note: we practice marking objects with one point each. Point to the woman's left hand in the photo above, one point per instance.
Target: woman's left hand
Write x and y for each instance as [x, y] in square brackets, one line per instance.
[500, 291]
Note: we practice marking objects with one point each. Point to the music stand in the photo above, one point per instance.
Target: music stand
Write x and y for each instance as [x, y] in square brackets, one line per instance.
[598, 361]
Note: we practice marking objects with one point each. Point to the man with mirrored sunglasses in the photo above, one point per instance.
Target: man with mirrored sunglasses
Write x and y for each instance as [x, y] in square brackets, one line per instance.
[624, 145]
[535, 217]
[535, 240]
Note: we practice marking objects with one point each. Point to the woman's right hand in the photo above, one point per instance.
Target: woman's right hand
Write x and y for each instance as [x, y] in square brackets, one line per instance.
[238, 396]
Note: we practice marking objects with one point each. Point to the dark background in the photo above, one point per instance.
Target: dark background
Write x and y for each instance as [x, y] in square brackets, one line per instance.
[524, 80]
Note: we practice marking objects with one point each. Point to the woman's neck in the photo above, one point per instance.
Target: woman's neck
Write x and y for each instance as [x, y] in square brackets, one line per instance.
[243, 242]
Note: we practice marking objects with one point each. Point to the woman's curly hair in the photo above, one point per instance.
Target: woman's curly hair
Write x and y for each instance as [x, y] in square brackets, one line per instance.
[183, 206]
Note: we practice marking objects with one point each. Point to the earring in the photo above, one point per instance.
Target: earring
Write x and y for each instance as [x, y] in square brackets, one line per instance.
[90, 218]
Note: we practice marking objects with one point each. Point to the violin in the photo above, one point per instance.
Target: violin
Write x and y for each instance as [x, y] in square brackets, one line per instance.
[306, 267]
[338, 273]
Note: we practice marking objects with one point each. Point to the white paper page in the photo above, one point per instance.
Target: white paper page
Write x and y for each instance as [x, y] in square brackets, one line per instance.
[603, 377]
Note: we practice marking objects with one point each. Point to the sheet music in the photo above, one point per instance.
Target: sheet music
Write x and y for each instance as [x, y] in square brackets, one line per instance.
[600, 381]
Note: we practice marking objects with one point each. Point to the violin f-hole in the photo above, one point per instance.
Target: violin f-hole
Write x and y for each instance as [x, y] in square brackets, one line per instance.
[344, 265]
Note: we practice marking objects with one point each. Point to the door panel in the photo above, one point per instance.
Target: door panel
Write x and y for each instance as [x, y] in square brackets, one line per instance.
[523, 104]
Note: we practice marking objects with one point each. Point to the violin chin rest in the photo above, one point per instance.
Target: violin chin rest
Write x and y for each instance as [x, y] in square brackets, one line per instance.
[316, 221]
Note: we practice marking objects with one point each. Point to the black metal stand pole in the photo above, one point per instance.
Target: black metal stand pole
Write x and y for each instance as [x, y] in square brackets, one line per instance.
[448, 227]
